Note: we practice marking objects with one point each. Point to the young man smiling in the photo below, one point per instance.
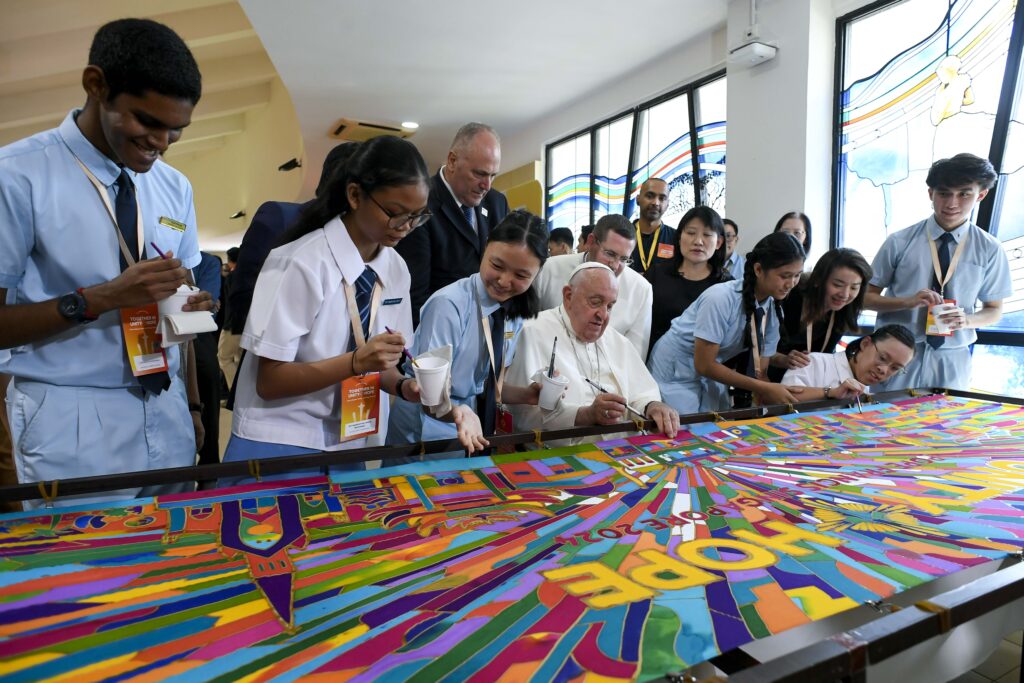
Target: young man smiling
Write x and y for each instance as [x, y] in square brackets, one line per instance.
[945, 257]
[79, 207]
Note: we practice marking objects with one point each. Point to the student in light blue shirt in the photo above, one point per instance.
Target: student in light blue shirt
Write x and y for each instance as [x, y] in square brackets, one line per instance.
[501, 292]
[687, 362]
[734, 260]
[904, 268]
[75, 407]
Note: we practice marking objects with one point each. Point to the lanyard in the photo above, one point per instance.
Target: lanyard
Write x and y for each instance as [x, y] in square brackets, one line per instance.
[828, 333]
[754, 346]
[499, 376]
[645, 263]
[102, 191]
[952, 263]
[353, 311]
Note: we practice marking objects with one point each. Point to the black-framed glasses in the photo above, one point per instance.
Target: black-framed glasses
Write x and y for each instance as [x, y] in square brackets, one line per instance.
[396, 221]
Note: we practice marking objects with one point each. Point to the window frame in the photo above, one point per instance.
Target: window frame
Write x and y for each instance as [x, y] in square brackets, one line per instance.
[689, 89]
[1004, 110]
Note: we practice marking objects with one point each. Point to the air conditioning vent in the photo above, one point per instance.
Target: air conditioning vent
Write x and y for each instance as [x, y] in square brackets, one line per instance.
[361, 131]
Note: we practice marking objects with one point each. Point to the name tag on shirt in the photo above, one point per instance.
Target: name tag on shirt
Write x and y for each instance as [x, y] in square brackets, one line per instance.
[391, 302]
[666, 251]
[172, 224]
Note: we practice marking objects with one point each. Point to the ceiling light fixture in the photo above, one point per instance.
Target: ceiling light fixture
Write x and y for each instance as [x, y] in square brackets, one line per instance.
[411, 125]
[237, 214]
[290, 165]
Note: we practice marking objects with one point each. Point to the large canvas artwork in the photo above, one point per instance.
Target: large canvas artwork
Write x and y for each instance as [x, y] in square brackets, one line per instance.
[620, 560]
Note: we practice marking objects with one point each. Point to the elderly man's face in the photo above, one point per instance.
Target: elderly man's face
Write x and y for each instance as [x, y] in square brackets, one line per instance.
[588, 302]
[470, 171]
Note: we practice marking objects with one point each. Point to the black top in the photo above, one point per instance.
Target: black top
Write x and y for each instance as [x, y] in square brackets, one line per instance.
[666, 237]
[793, 336]
[673, 294]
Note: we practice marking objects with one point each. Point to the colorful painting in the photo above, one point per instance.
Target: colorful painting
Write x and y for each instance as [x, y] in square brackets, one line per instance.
[621, 560]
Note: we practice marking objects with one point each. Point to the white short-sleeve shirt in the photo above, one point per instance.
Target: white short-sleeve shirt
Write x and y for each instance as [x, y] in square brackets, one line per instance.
[824, 370]
[300, 313]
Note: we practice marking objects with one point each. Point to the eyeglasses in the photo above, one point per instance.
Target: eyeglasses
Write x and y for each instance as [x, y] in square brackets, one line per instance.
[885, 361]
[731, 238]
[396, 221]
[613, 257]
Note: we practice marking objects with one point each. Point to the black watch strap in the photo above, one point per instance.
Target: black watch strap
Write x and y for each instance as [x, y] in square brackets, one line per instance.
[72, 307]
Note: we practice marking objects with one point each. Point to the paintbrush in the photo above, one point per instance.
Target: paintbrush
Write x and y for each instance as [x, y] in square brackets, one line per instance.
[605, 391]
[404, 350]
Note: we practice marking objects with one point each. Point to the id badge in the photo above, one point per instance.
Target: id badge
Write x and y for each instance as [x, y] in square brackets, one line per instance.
[142, 341]
[666, 251]
[360, 406]
[933, 327]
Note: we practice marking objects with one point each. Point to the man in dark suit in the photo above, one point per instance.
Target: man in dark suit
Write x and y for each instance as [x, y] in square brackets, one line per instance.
[464, 208]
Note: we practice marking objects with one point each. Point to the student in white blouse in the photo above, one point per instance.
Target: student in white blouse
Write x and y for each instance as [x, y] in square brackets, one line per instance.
[844, 374]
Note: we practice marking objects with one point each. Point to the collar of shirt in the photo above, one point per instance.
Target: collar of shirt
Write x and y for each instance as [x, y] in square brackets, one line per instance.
[104, 168]
[563, 317]
[347, 256]
[487, 304]
[450, 191]
[935, 231]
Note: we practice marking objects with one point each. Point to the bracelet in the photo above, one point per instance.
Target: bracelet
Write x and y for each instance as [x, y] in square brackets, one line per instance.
[195, 407]
[354, 373]
[398, 387]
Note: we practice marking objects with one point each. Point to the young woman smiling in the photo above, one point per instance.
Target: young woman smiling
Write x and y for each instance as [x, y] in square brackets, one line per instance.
[823, 308]
[500, 296]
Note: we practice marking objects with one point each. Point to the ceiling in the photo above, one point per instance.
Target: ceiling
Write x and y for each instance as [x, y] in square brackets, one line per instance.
[446, 62]
[439, 63]
[44, 46]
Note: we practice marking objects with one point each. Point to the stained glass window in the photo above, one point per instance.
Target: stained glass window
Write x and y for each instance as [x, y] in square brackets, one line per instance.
[930, 95]
[655, 139]
[569, 183]
[663, 151]
[611, 166]
[710, 111]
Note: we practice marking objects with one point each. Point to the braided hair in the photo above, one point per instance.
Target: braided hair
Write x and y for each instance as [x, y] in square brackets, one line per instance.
[772, 251]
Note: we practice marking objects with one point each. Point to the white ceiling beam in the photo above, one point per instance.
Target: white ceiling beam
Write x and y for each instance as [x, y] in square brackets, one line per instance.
[186, 147]
[213, 128]
[49, 55]
[248, 77]
[228, 102]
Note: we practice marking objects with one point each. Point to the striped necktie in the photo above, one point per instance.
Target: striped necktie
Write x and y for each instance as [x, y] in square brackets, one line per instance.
[364, 294]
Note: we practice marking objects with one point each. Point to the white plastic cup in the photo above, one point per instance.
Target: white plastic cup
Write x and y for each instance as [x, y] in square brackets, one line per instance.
[937, 311]
[430, 375]
[551, 390]
[174, 302]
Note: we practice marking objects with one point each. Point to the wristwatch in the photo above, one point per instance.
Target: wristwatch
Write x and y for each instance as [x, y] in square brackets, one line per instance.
[74, 307]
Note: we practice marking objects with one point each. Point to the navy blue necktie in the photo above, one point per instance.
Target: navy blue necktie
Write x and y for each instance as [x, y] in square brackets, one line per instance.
[364, 296]
[126, 212]
[470, 213]
[488, 402]
[945, 239]
[127, 215]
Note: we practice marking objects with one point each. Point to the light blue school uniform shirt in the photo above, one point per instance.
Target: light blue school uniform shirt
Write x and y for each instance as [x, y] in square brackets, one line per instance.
[56, 236]
[452, 316]
[735, 265]
[717, 317]
[903, 267]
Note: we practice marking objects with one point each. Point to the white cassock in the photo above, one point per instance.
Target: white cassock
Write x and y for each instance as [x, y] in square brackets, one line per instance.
[612, 362]
[631, 315]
